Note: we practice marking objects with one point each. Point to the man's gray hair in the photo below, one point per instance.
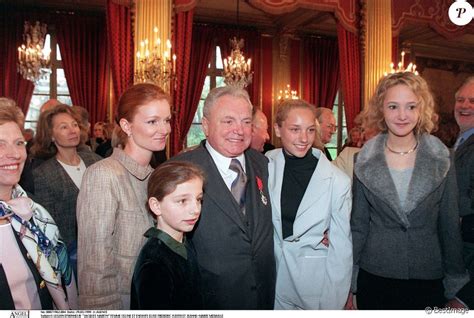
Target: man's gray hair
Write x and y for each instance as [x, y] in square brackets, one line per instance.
[322, 110]
[219, 92]
[467, 81]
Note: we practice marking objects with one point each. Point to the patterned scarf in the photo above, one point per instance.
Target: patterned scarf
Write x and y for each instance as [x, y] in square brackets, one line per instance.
[40, 237]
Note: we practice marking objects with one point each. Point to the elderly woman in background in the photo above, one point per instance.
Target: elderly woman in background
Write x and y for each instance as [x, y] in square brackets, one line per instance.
[58, 179]
[33, 255]
[111, 211]
[405, 218]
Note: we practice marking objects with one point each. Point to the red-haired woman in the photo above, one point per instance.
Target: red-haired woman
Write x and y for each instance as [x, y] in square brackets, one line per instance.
[112, 216]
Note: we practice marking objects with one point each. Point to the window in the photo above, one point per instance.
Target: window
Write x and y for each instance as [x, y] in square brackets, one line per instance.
[52, 86]
[339, 138]
[213, 79]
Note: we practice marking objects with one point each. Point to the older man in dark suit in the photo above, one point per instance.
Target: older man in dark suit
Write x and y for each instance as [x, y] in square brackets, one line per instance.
[234, 237]
[464, 160]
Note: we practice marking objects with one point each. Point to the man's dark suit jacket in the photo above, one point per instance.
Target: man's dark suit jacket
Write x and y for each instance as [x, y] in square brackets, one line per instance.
[466, 294]
[464, 161]
[235, 253]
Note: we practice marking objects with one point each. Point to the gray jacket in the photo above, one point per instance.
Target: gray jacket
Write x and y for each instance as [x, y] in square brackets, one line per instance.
[423, 240]
[57, 193]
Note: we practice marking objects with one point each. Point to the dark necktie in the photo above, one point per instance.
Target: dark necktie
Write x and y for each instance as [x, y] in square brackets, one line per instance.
[458, 142]
[239, 184]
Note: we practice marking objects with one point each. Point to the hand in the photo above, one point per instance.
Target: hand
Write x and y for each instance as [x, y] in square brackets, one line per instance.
[350, 303]
[325, 239]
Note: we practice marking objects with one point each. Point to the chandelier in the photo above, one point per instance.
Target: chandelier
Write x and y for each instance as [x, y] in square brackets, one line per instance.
[155, 66]
[33, 57]
[401, 67]
[287, 93]
[237, 70]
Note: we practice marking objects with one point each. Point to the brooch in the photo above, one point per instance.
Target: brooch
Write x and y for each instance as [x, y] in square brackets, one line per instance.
[260, 188]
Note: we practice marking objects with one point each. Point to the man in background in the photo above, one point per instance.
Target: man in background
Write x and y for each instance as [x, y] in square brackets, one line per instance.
[328, 126]
[464, 161]
[259, 130]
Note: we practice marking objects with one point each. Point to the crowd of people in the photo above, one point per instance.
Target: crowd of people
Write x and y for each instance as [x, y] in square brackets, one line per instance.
[389, 224]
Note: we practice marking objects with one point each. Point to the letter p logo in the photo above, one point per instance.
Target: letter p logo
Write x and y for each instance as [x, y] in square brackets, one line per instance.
[460, 12]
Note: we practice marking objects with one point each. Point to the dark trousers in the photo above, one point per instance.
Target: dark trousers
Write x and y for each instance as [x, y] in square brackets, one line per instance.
[72, 253]
[376, 292]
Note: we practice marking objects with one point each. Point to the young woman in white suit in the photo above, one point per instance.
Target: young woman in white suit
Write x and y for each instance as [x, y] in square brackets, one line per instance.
[309, 197]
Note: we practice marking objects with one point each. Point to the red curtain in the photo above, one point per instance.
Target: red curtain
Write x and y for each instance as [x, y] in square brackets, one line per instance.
[350, 66]
[295, 65]
[120, 36]
[12, 84]
[251, 49]
[194, 47]
[83, 44]
[267, 69]
[320, 71]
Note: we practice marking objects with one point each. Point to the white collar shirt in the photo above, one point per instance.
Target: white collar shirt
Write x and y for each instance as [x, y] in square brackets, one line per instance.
[223, 164]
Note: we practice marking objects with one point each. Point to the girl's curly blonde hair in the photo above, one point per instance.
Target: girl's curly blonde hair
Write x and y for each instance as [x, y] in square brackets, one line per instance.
[373, 114]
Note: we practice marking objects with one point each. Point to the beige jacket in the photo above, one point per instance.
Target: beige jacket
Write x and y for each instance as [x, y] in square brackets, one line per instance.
[112, 218]
[345, 160]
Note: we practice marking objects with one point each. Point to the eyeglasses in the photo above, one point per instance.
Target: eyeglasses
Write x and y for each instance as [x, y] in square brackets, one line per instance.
[332, 127]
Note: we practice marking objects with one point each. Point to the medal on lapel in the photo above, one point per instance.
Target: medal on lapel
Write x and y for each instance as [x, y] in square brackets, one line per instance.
[260, 188]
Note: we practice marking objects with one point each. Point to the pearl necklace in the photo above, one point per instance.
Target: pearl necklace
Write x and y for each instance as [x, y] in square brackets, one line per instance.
[402, 153]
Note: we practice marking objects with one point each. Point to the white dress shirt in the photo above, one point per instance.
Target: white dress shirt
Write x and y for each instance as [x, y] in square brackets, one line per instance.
[223, 164]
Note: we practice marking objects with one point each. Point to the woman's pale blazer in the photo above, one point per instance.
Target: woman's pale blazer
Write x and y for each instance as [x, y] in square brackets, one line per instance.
[112, 217]
[309, 274]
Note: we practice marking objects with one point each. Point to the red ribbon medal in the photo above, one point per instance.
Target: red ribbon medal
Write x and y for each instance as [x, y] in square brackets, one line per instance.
[260, 188]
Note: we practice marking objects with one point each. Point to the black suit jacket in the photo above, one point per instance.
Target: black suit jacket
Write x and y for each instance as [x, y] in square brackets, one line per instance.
[466, 294]
[235, 253]
[464, 161]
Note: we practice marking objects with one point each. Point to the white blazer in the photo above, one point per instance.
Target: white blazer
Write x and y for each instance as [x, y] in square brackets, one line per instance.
[309, 274]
